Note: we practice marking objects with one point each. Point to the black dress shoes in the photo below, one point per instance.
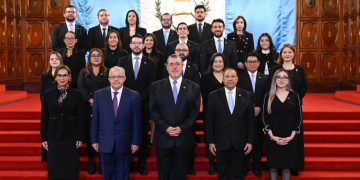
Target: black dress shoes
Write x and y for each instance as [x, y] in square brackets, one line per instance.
[143, 171]
[257, 172]
[92, 167]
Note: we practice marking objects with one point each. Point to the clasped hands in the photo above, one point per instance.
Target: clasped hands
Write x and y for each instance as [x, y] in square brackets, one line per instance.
[282, 140]
[173, 131]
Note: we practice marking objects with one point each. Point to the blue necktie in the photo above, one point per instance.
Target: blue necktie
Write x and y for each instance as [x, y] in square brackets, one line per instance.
[230, 101]
[253, 82]
[166, 37]
[174, 91]
[136, 67]
[219, 46]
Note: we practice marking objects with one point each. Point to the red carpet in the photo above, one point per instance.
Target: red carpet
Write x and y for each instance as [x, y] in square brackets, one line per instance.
[332, 142]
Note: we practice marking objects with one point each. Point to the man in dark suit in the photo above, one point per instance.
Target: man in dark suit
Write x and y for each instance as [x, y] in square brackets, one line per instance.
[257, 83]
[190, 70]
[200, 31]
[165, 35]
[69, 25]
[116, 125]
[194, 51]
[230, 126]
[140, 73]
[97, 34]
[218, 44]
[174, 106]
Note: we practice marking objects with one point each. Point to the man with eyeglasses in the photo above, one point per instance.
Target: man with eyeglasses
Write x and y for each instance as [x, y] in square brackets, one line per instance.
[183, 33]
[98, 33]
[69, 25]
[140, 73]
[256, 82]
[165, 35]
[116, 125]
[174, 106]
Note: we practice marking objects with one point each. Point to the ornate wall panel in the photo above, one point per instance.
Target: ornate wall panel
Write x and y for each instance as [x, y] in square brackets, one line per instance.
[358, 30]
[330, 34]
[310, 63]
[10, 7]
[50, 25]
[3, 65]
[55, 8]
[34, 8]
[16, 64]
[309, 34]
[35, 60]
[344, 65]
[352, 65]
[309, 8]
[10, 31]
[330, 65]
[353, 7]
[18, 8]
[345, 8]
[35, 34]
[352, 31]
[2, 31]
[18, 33]
[358, 64]
[2, 8]
[330, 8]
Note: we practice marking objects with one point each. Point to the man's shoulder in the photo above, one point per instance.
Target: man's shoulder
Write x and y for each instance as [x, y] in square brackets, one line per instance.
[130, 93]
[157, 31]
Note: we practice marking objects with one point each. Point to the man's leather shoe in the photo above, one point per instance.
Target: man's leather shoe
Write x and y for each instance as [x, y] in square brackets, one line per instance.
[143, 171]
[91, 168]
[211, 170]
[257, 172]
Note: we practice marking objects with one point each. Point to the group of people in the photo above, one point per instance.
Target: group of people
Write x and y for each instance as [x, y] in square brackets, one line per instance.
[135, 81]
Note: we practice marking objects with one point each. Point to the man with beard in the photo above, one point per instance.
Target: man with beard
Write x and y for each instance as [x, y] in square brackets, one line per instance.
[190, 70]
[183, 32]
[165, 35]
[140, 73]
[200, 31]
[97, 34]
[69, 25]
[220, 45]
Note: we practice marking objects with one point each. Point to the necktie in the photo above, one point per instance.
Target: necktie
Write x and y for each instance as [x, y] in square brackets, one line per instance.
[115, 103]
[200, 30]
[266, 70]
[219, 46]
[72, 29]
[136, 67]
[230, 101]
[174, 91]
[253, 81]
[104, 32]
[166, 36]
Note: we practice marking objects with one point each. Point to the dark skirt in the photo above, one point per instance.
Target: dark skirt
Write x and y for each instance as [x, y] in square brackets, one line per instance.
[63, 160]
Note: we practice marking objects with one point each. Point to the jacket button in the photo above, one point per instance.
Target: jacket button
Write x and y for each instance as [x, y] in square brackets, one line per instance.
[61, 114]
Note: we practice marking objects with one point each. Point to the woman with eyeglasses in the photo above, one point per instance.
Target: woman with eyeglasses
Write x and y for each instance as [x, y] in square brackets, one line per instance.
[267, 53]
[62, 127]
[92, 78]
[132, 27]
[113, 50]
[151, 52]
[282, 119]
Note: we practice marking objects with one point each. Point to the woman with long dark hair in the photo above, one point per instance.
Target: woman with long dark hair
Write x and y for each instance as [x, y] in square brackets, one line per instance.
[151, 52]
[267, 53]
[113, 50]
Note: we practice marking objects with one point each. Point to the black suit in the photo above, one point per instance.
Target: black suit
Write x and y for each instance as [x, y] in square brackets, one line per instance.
[261, 87]
[160, 40]
[172, 153]
[244, 44]
[75, 62]
[146, 76]
[125, 36]
[61, 126]
[194, 50]
[209, 48]
[192, 72]
[59, 34]
[230, 132]
[95, 37]
[205, 35]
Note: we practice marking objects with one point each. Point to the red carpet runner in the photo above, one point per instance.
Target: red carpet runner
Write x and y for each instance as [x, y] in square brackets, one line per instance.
[332, 142]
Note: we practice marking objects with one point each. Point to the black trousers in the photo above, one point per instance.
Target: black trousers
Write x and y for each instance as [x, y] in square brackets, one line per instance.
[231, 164]
[255, 156]
[173, 164]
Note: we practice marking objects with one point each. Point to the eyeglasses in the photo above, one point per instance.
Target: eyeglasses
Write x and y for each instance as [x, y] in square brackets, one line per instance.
[281, 77]
[70, 12]
[137, 43]
[252, 62]
[62, 75]
[69, 38]
[174, 64]
[95, 55]
[165, 19]
[116, 77]
[183, 50]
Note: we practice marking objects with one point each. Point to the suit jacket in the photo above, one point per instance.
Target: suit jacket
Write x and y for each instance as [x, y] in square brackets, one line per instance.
[75, 62]
[192, 72]
[88, 85]
[95, 38]
[167, 113]
[47, 82]
[244, 44]
[160, 40]
[228, 130]
[194, 50]
[125, 36]
[205, 35]
[59, 34]
[118, 132]
[261, 86]
[64, 122]
[209, 48]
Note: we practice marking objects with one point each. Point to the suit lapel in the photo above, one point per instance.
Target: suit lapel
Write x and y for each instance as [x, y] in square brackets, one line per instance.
[223, 100]
[123, 101]
[142, 68]
[212, 45]
[182, 91]
[168, 91]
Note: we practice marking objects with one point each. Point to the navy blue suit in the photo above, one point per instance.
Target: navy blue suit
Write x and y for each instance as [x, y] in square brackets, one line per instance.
[115, 135]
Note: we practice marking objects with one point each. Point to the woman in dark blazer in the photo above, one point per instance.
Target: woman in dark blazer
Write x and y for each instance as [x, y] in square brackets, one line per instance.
[92, 78]
[151, 52]
[244, 40]
[211, 81]
[113, 50]
[267, 53]
[132, 27]
[62, 127]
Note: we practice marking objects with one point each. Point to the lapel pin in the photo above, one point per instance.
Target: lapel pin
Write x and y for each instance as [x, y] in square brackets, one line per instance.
[184, 87]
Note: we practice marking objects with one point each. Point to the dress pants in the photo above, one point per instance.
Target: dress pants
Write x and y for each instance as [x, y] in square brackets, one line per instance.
[173, 163]
[231, 164]
[256, 152]
[115, 166]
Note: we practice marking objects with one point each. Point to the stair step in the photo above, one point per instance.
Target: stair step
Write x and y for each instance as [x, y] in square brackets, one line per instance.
[12, 96]
[19, 125]
[352, 97]
[2, 87]
[331, 125]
